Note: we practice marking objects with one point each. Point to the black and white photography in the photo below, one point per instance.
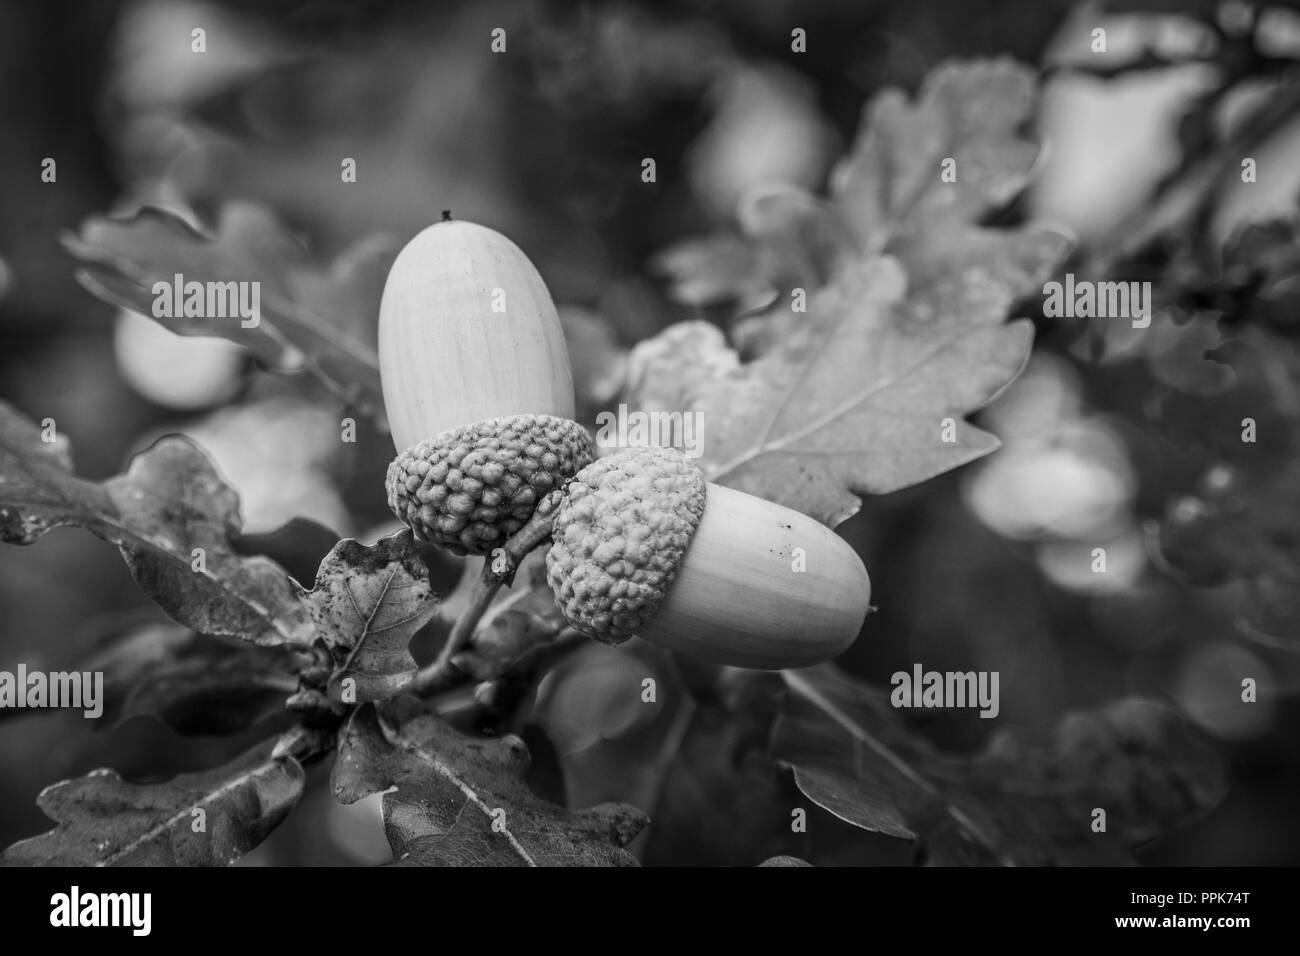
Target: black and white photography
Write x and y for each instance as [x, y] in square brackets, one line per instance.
[705, 434]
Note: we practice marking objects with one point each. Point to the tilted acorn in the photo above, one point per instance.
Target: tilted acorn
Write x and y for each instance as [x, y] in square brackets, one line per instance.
[477, 388]
[643, 545]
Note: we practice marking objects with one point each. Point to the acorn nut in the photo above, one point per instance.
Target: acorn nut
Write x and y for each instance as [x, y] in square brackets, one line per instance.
[642, 545]
[477, 388]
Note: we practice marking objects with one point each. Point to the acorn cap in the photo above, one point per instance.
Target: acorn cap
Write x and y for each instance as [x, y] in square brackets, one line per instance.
[470, 488]
[619, 536]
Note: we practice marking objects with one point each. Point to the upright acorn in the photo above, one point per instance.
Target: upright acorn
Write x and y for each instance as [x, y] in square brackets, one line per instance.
[477, 388]
[643, 545]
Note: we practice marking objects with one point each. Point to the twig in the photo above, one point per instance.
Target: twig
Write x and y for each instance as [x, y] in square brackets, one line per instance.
[498, 569]
[450, 684]
[304, 744]
[480, 599]
[507, 558]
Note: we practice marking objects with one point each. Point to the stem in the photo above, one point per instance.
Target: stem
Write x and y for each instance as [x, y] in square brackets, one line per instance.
[498, 569]
[480, 599]
[507, 558]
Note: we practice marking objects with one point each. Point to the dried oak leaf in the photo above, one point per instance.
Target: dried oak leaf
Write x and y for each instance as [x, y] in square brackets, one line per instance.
[1026, 799]
[105, 821]
[461, 801]
[367, 604]
[170, 502]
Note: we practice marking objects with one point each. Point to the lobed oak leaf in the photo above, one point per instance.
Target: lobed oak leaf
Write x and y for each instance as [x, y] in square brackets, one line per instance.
[1026, 799]
[321, 320]
[461, 801]
[193, 683]
[173, 518]
[105, 821]
[854, 401]
[367, 604]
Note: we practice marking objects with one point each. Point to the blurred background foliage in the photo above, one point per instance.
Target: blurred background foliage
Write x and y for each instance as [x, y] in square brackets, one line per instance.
[978, 569]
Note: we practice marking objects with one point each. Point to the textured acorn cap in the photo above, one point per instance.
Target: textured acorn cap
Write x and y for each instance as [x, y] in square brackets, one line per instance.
[470, 488]
[619, 536]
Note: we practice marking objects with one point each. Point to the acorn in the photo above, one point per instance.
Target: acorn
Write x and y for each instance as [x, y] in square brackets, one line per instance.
[642, 545]
[477, 388]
